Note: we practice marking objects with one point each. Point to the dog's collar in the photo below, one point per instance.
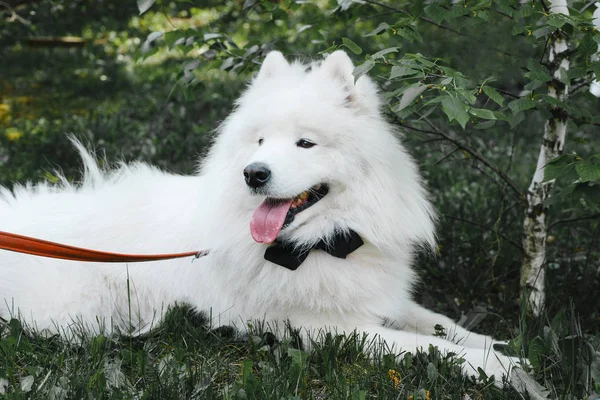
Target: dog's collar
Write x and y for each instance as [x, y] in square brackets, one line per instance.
[290, 257]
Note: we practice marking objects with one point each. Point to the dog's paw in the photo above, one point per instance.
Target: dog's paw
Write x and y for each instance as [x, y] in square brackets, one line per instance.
[491, 362]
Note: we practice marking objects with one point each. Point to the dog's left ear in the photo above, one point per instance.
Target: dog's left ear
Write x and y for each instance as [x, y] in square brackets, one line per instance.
[273, 64]
[360, 95]
[339, 66]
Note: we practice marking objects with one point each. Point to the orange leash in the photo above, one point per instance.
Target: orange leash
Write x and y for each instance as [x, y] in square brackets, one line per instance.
[44, 248]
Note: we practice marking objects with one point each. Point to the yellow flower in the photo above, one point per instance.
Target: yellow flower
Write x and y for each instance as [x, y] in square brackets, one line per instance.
[427, 395]
[4, 112]
[24, 99]
[395, 377]
[13, 134]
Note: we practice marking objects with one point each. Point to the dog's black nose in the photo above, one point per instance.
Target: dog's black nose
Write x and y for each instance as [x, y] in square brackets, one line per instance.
[257, 175]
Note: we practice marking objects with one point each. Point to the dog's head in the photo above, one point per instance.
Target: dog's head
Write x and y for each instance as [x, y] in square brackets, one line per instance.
[310, 145]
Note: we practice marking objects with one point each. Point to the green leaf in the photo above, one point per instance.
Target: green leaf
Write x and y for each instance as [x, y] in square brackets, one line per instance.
[553, 101]
[383, 52]
[521, 104]
[506, 6]
[485, 124]
[227, 63]
[353, 47]
[152, 37]
[298, 357]
[537, 72]
[279, 14]
[537, 348]
[410, 94]
[493, 95]
[577, 72]
[484, 15]
[149, 47]
[587, 46]
[457, 11]
[517, 29]
[501, 116]
[400, 71]
[468, 94]
[211, 36]
[558, 167]
[381, 28]
[531, 86]
[588, 170]
[482, 113]
[144, 5]
[543, 31]
[174, 37]
[409, 33]
[455, 110]
[246, 371]
[432, 372]
[555, 21]
[436, 13]
[362, 69]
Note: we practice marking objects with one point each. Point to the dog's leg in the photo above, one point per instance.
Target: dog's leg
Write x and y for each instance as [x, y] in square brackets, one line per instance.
[384, 339]
[415, 318]
[492, 362]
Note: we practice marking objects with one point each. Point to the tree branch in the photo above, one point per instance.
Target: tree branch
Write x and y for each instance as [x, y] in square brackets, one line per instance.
[504, 92]
[564, 221]
[468, 149]
[446, 156]
[398, 10]
[485, 228]
[14, 16]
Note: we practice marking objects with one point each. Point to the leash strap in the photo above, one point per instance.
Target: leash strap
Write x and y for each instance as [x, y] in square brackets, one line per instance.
[44, 248]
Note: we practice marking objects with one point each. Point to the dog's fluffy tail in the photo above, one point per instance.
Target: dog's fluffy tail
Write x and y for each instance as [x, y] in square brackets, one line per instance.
[92, 175]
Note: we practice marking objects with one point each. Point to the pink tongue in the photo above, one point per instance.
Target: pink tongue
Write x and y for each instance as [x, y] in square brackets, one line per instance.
[268, 220]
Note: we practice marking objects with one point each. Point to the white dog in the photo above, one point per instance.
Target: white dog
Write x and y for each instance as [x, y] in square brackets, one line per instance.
[310, 206]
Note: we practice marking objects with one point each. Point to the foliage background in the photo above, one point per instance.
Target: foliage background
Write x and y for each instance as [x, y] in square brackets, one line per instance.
[154, 86]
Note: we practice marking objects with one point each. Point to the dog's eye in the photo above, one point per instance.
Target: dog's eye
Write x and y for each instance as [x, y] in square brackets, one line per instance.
[305, 144]
[260, 141]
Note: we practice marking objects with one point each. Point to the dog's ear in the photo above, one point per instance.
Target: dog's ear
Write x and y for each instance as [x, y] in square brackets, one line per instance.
[360, 95]
[273, 64]
[339, 66]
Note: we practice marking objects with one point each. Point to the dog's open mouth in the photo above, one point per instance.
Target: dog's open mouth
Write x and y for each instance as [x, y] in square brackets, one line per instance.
[275, 214]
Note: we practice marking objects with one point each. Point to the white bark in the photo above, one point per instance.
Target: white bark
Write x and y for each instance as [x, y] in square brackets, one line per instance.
[595, 86]
[535, 224]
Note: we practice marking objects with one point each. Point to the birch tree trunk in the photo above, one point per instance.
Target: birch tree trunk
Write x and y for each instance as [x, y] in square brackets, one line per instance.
[535, 224]
[595, 86]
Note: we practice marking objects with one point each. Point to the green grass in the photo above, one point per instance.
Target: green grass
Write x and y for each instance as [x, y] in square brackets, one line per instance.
[183, 358]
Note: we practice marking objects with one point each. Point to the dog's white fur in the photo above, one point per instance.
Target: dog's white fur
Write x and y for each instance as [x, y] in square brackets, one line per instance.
[375, 189]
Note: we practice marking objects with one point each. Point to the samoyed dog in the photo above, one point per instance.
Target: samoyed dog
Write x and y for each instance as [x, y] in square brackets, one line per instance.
[310, 205]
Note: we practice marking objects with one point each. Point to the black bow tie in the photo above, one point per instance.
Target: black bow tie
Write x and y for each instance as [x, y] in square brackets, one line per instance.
[286, 255]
